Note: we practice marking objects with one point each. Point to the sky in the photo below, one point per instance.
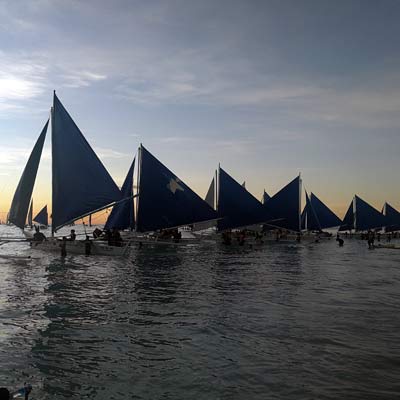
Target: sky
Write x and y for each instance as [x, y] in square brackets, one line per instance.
[266, 88]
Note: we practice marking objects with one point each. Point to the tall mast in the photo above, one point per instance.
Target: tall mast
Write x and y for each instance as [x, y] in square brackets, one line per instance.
[139, 168]
[52, 164]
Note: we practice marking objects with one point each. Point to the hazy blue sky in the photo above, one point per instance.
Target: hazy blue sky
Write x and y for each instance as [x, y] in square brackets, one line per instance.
[267, 88]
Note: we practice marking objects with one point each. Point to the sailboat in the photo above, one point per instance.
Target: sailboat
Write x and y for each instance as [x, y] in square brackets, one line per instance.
[42, 217]
[122, 215]
[309, 218]
[316, 216]
[265, 197]
[23, 193]
[236, 207]
[361, 216]
[80, 185]
[392, 218]
[163, 200]
[285, 206]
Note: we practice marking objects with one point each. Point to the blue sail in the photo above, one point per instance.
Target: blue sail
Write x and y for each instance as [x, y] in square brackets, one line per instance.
[392, 218]
[81, 184]
[165, 201]
[285, 206]
[309, 218]
[236, 206]
[265, 197]
[23, 193]
[42, 217]
[122, 215]
[348, 220]
[211, 194]
[366, 216]
[326, 217]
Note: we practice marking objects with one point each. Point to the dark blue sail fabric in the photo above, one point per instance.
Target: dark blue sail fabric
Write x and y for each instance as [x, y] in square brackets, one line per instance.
[392, 218]
[265, 197]
[309, 218]
[164, 200]
[367, 217]
[42, 216]
[285, 205]
[236, 206]
[81, 184]
[348, 221]
[326, 217]
[211, 194]
[23, 193]
[122, 215]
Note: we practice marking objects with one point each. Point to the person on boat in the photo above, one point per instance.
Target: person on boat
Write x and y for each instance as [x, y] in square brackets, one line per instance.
[241, 238]
[97, 233]
[38, 236]
[88, 246]
[64, 246]
[4, 394]
[107, 236]
[176, 235]
[72, 236]
[116, 239]
[226, 238]
[258, 237]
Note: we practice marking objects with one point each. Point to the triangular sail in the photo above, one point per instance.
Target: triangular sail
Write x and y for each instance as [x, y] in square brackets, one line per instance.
[265, 197]
[23, 193]
[309, 218]
[165, 201]
[210, 196]
[392, 218]
[42, 217]
[285, 206]
[236, 206]
[122, 215]
[30, 215]
[361, 216]
[366, 216]
[81, 184]
[326, 217]
[348, 220]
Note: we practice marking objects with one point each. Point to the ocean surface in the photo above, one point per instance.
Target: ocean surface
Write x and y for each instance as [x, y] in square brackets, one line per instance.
[280, 321]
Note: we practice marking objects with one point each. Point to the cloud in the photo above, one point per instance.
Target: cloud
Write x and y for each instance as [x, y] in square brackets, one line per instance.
[21, 79]
[108, 153]
[82, 79]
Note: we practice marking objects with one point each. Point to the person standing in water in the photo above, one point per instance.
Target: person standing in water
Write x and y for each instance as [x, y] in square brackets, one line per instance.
[64, 247]
[339, 240]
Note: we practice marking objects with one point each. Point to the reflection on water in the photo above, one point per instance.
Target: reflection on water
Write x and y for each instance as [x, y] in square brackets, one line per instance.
[278, 321]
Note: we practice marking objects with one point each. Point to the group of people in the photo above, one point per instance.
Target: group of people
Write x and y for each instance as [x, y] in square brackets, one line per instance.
[172, 233]
[113, 237]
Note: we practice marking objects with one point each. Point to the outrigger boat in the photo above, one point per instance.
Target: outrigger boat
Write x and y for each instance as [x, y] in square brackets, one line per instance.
[165, 205]
[80, 185]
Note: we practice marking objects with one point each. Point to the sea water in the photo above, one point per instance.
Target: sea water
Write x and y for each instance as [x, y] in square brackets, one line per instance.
[205, 321]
